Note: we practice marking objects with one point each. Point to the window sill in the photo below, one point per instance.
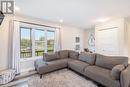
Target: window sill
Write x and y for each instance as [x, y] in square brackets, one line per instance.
[30, 59]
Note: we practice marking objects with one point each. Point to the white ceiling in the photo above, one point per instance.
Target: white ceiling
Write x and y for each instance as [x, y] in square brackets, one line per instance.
[79, 13]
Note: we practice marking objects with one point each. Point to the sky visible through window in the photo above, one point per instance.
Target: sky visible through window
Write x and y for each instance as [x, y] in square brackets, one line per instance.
[26, 34]
[39, 34]
[50, 35]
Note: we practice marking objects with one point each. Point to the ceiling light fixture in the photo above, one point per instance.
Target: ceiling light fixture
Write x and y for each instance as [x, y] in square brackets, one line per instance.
[61, 20]
[103, 20]
[17, 8]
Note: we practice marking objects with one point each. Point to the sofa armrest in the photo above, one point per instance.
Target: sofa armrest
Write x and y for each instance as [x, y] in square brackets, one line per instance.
[125, 77]
[116, 71]
[40, 62]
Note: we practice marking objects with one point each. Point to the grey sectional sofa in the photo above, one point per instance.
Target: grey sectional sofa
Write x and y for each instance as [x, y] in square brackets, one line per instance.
[110, 71]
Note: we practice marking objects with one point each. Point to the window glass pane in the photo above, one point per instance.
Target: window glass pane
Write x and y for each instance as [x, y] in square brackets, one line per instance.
[39, 42]
[25, 43]
[50, 41]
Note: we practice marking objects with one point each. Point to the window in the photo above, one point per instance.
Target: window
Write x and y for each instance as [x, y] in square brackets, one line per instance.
[39, 42]
[50, 41]
[25, 43]
[35, 42]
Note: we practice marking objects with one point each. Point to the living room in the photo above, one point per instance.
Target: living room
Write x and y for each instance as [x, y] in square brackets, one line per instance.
[37, 34]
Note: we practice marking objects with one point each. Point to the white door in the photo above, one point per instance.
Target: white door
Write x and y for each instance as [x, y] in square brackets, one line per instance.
[107, 41]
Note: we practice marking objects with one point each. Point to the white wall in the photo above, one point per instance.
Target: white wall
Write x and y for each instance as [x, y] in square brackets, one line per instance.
[119, 23]
[86, 38]
[128, 27]
[68, 34]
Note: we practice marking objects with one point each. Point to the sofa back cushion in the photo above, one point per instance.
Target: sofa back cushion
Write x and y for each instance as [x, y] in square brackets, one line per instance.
[51, 56]
[87, 57]
[73, 54]
[110, 61]
[64, 53]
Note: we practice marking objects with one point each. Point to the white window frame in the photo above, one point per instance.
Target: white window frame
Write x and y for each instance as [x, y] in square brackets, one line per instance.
[33, 28]
[54, 40]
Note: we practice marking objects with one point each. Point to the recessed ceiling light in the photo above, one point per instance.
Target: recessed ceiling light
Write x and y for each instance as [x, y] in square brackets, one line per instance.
[17, 8]
[61, 20]
[103, 20]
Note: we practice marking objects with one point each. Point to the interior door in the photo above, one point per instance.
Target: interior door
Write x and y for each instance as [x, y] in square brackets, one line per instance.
[107, 41]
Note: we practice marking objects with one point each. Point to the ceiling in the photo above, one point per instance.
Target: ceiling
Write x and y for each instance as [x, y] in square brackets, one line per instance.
[78, 13]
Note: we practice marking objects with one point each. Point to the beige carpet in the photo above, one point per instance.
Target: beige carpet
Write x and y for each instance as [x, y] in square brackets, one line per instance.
[61, 78]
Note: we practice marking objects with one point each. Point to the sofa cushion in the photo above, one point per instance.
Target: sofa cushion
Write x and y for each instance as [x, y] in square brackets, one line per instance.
[50, 56]
[51, 66]
[87, 57]
[58, 62]
[116, 71]
[64, 53]
[77, 65]
[101, 75]
[73, 54]
[39, 63]
[110, 61]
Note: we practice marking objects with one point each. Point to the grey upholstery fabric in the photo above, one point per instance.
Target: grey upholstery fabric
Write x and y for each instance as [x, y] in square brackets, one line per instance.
[69, 59]
[51, 66]
[57, 62]
[39, 63]
[125, 77]
[106, 70]
[116, 70]
[110, 61]
[77, 65]
[87, 57]
[64, 53]
[50, 56]
[101, 75]
[73, 55]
